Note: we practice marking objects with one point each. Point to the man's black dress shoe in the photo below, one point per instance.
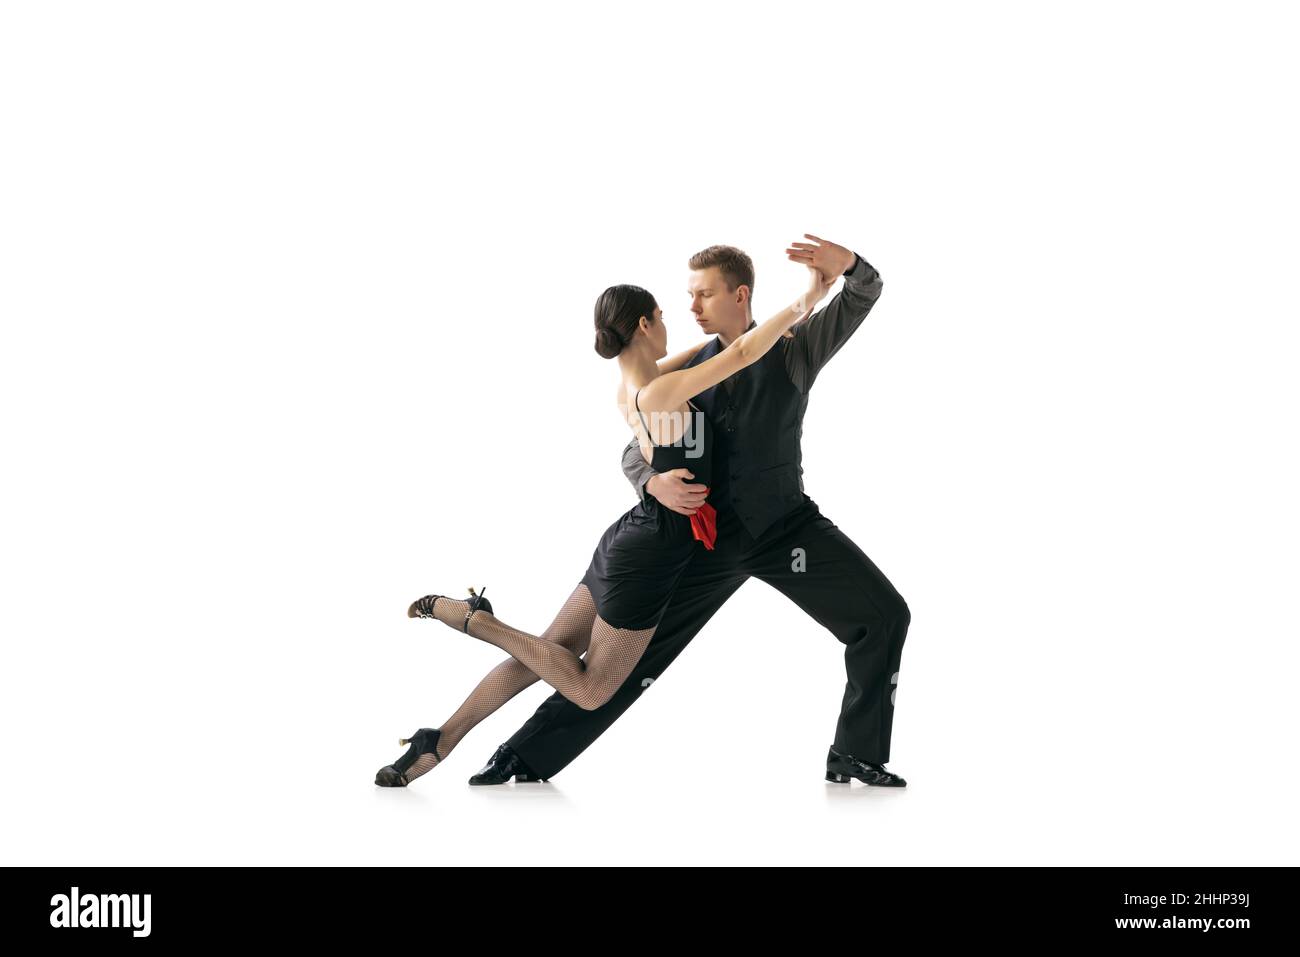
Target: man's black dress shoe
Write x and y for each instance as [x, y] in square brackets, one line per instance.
[503, 766]
[841, 767]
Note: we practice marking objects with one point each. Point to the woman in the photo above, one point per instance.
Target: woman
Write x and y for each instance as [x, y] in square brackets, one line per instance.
[613, 612]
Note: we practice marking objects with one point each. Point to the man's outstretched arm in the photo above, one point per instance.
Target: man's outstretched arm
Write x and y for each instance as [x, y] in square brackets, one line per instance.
[822, 334]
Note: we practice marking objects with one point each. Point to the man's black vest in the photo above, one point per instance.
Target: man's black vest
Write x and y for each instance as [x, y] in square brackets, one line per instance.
[757, 418]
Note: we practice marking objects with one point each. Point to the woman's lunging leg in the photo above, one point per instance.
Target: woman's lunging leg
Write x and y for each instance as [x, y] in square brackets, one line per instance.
[612, 654]
[571, 630]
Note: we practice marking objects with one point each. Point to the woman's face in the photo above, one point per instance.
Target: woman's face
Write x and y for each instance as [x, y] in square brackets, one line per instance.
[658, 334]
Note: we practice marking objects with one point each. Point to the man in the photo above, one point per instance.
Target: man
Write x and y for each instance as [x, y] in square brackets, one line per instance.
[767, 527]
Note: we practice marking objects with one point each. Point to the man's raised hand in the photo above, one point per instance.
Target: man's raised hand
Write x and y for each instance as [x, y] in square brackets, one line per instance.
[821, 254]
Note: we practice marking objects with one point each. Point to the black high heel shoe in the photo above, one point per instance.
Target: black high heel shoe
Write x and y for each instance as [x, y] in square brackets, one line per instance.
[423, 607]
[422, 756]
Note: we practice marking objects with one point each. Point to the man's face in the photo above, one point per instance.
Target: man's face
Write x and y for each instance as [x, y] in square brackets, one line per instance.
[716, 308]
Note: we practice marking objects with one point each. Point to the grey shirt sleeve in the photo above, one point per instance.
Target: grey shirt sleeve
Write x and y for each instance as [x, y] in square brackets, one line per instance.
[820, 336]
[637, 470]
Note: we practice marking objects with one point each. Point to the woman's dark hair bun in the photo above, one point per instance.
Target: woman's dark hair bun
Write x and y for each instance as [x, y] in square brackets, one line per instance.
[618, 314]
[608, 344]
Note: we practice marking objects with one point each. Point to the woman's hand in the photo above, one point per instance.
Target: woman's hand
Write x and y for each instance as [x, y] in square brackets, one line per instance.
[818, 283]
[818, 287]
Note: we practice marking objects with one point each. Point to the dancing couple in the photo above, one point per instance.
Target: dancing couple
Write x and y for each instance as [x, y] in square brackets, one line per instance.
[715, 457]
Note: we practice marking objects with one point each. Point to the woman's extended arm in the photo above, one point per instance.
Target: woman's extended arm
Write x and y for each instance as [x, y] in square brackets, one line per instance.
[671, 390]
[673, 363]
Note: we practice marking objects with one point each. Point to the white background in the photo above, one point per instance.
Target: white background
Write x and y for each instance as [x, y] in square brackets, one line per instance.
[297, 309]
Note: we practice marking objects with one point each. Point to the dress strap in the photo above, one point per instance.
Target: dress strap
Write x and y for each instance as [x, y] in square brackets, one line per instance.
[636, 398]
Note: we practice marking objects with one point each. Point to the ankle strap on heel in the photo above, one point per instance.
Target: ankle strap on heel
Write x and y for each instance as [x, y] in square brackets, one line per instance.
[476, 601]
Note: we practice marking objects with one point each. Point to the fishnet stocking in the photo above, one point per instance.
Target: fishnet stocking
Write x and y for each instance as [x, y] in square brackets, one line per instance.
[611, 654]
[571, 629]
